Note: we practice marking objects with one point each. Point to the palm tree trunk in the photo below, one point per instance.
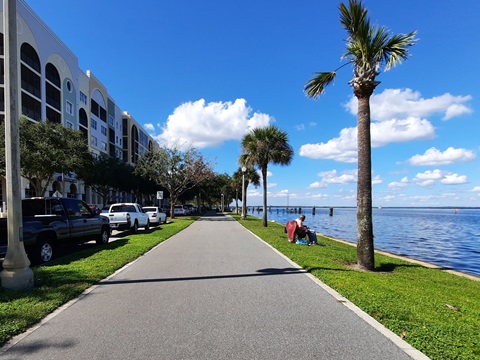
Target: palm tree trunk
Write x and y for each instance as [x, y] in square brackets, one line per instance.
[365, 248]
[264, 216]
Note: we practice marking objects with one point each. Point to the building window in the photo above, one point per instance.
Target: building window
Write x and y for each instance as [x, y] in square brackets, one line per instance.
[30, 81]
[83, 98]
[51, 73]
[94, 141]
[29, 56]
[103, 129]
[69, 125]
[69, 86]
[103, 114]
[94, 124]
[69, 108]
[53, 96]
[111, 120]
[83, 117]
[104, 146]
[31, 108]
[94, 108]
[53, 116]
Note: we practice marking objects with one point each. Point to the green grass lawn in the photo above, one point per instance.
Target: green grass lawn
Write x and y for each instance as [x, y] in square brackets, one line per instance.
[436, 312]
[66, 278]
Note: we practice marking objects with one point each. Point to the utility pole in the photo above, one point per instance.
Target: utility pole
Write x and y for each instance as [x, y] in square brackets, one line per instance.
[16, 274]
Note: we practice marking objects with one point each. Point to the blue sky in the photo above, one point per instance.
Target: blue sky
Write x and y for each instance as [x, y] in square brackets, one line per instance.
[205, 72]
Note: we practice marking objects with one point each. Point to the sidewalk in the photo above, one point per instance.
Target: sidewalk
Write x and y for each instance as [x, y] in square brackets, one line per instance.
[213, 291]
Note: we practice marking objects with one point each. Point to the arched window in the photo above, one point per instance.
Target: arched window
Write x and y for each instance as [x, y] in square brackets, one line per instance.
[51, 73]
[134, 143]
[30, 82]
[53, 94]
[30, 57]
[73, 191]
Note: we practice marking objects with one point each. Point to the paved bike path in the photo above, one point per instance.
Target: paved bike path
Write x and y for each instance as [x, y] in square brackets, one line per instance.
[213, 291]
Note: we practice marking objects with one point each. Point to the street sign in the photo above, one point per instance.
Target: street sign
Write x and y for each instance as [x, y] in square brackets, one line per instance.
[159, 195]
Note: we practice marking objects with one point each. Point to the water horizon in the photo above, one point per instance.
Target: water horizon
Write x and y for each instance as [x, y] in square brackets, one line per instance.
[448, 237]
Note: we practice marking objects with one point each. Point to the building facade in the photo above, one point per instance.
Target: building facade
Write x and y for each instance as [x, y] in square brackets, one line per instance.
[52, 87]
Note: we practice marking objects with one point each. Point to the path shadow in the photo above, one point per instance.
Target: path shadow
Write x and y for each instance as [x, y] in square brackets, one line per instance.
[261, 272]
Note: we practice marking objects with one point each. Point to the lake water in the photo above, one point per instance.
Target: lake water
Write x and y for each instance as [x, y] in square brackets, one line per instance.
[439, 236]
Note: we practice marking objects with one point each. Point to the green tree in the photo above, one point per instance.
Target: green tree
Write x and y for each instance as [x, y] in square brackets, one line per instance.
[107, 174]
[368, 48]
[262, 146]
[47, 148]
[175, 170]
[236, 185]
[251, 176]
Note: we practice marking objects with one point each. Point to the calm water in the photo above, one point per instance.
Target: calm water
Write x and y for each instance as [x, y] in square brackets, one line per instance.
[437, 236]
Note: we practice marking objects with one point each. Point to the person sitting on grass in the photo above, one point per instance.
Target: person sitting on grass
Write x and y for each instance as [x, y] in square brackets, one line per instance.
[303, 230]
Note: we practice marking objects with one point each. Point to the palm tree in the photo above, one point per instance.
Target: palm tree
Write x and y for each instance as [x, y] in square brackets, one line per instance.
[368, 48]
[262, 146]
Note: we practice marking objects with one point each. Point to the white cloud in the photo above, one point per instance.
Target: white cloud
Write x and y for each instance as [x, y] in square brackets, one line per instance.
[429, 177]
[402, 130]
[331, 177]
[202, 124]
[403, 103]
[343, 148]
[377, 180]
[149, 127]
[454, 179]
[300, 127]
[317, 185]
[476, 188]
[397, 185]
[397, 116]
[435, 157]
[426, 183]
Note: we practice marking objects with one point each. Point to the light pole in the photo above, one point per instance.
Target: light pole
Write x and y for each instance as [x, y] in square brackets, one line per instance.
[243, 192]
[16, 273]
[222, 203]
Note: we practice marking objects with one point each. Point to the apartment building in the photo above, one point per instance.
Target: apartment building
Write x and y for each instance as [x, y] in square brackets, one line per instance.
[52, 86]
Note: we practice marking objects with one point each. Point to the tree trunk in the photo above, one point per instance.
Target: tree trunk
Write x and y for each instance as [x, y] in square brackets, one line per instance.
[264, 216]
[365, 247]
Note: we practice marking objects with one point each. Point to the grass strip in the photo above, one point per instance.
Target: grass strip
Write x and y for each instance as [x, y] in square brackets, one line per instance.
[435, 311]
[66, 278]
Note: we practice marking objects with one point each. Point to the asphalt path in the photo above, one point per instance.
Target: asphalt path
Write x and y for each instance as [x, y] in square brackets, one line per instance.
[213, 291]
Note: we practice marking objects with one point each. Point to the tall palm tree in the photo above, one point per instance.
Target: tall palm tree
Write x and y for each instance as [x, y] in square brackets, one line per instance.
[262, 146]
[368, 48]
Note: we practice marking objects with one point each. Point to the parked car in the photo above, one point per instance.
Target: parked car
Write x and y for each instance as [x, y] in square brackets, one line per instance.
[155, 214]
[179, 210]
[125, 216]
[95, 209]
[49, 223]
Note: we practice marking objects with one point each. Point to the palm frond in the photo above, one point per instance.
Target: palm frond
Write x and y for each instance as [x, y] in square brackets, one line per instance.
[397, 48]
[316, 86]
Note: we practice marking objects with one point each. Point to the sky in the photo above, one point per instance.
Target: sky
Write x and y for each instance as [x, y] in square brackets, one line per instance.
[205, 73]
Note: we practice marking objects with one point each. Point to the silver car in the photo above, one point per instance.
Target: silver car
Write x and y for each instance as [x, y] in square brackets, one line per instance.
[155, 215]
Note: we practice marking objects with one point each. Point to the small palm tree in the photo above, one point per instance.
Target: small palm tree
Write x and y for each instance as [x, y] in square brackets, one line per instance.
[262, 146]
[368, 48]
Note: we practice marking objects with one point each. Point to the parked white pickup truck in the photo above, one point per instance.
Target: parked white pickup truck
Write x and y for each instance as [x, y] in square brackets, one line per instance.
[125, 216]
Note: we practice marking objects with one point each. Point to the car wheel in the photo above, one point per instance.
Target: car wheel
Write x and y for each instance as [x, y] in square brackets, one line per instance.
[44, 251]
[104, 236]
[135, 227]
[148, 225]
